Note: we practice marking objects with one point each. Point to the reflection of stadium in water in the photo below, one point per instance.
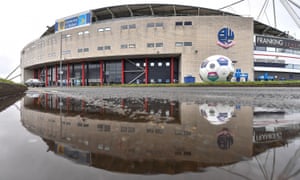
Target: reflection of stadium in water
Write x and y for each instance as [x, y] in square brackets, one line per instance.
[139, 135]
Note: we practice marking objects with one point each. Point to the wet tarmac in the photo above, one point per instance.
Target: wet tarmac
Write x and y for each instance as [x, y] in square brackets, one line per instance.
[152, 133]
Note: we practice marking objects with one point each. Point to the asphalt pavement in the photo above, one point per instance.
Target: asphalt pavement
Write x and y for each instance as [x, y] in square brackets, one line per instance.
[287, 98]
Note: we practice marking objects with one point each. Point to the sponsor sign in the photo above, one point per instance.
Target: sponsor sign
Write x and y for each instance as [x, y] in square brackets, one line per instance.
[266, 41]
[225, 38]
[74, 21]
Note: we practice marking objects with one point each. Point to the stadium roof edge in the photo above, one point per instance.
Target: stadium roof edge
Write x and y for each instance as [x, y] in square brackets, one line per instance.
[134, 10]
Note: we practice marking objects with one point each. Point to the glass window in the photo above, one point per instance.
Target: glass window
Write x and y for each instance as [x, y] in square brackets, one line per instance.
[188, 23]
[178, 44]
[159, 44]
[79, 50]
[297, 66]
[124, 46]
[150, 45]
[159, 24]
[132, 26]
[188, 43]
[259, 48]
[271, 49]
[131, 46]
[107, 47]
[100, 30]
[85, 49]
[107, 29]
[150, 25]
[113, 72]
[100, 48]
[124, 27]
[178, 23]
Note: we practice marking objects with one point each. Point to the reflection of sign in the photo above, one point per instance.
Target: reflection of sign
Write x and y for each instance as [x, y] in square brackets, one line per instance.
[72, 22]
[225, 38]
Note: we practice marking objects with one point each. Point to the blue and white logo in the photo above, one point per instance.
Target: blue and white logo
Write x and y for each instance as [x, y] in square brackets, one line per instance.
[225, 38]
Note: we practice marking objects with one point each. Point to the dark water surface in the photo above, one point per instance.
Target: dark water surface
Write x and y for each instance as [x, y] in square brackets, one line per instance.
[53, 137]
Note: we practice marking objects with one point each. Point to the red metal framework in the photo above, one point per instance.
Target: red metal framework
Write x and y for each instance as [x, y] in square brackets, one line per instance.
[172, 70]
[82, 74]
[101, 72]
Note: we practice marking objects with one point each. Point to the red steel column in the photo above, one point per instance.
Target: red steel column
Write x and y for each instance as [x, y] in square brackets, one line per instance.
[46, 74]
[123, 71]
[172, 70]
[101, 72]
[82, 74]
[146, 71]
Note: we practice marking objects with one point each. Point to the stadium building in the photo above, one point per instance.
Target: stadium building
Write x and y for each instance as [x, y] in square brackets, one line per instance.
[155, 43]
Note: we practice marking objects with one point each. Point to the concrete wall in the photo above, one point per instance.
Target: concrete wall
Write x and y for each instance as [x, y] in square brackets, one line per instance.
[203, 34]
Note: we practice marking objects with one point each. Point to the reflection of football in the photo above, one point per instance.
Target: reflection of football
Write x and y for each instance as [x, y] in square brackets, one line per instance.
[216, 68]
[217, 113]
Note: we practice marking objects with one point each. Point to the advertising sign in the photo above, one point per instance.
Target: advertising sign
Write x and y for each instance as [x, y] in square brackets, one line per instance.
[74, 21]
[266, 41]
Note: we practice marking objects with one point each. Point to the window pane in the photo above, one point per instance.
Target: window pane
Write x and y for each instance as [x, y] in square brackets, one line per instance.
[107, 29]
[131, 45]
[100, 30]
[179, 23]
[132, 26]
[124, 27]
[178, 44]
[188, 44]
[159, 44]
[150, 45]
[160, 24]
[188, 23]
[124, 46]
[150, 25]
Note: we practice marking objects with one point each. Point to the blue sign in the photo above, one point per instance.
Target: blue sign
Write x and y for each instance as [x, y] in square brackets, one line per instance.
[72, 22]
[222, 61]
[225, 38]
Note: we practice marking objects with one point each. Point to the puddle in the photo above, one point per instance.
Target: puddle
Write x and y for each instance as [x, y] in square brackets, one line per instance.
[143, 136]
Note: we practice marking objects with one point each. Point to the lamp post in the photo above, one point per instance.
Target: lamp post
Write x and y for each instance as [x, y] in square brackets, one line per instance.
[60, 64]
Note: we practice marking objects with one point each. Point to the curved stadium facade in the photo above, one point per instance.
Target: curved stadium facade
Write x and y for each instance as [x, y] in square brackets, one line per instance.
[155, 43]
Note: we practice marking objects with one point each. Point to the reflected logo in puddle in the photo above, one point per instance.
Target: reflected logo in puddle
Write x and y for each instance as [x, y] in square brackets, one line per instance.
[216, 113]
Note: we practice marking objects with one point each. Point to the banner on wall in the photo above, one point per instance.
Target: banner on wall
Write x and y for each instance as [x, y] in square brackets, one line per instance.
[78, 20]
[267, 41]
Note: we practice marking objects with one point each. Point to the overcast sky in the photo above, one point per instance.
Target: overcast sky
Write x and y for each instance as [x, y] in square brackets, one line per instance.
[25, 21]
